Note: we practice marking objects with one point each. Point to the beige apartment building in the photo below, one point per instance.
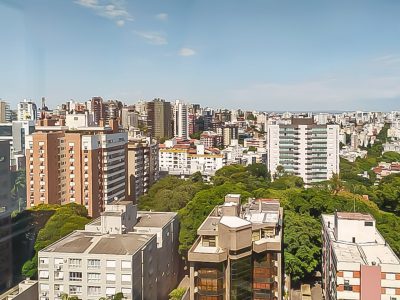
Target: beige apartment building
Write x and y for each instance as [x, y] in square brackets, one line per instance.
[85, 165]
[238, 254]
[124, 250]
[142, 166]
[159, 118]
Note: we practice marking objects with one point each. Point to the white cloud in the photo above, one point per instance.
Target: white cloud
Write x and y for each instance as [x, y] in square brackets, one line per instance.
[120, 23]
[153, 37]
[187, 52]
[111, 9]
[162, 17]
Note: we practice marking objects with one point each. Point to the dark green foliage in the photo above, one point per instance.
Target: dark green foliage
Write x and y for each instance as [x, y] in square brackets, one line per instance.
[66, 219]
[171, 193]
[391, 156]
[196, 135]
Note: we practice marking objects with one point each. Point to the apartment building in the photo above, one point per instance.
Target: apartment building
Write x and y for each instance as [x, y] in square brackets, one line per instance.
[26, 110]
[185, 160]
[142, 166]
[5, 112]
[211, 139]
[238, 253]
[304, 149]
[15, 132]
[181, 119]
[85, 165]
[159, 118]
[357, 263]
[126, 251]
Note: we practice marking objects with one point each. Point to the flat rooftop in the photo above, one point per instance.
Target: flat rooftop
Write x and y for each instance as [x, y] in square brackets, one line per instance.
[154, 219]
[96, 243]
[378, 252]
[354, 216]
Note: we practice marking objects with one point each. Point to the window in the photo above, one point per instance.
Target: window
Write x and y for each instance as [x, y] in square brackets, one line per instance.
[75, 290]
[93, 263]
[110, 276]
[369, 223]
[44, 287]
[110, 291]
[58, 275]
[44, 274]
[126, 292]
[59, 288]
[75, 262]
[93, 277]
[110, 264]
[209, 241]
[126, 277]
[353, 239]
[347, 286]
[94, 290]
[43, 261]
[75, 276]
[126, 264]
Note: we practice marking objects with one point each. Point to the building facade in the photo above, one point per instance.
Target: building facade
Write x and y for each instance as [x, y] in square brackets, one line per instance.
[357, 263]
[185, 160]
[238, 252]
[27, 110]
[142, 166]
[304, 149]
[126, 251]
[181, 120]
[159, 118]
[86, 165]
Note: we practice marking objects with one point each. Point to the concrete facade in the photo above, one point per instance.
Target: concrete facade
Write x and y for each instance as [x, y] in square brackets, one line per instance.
[357, 263]
[86, 165]
[238, 254]
[126, 251]
[304, 149]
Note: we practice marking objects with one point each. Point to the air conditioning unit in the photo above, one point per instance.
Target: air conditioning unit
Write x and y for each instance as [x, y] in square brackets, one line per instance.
[196, 274]
[59, 294]
[58, 268]
[196, 289]
[44, 293]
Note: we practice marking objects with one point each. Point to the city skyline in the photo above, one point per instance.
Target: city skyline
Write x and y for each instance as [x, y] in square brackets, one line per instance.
[263, 55]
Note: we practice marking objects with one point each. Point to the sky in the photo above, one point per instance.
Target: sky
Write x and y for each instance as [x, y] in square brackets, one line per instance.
[269, 55]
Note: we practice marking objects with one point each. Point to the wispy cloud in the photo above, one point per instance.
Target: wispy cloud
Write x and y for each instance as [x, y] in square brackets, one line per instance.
[388, 59]
[114, 10]
[162, 17]
[153, 37]
[187, 52]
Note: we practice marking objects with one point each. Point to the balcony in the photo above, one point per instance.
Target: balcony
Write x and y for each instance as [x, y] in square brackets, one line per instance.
[207, 254]
[268, 244]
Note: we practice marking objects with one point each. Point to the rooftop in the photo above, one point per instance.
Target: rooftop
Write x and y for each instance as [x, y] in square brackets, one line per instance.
[234, 222]
[154, 219]
[355, 216]
[377, 252]
[95, 243]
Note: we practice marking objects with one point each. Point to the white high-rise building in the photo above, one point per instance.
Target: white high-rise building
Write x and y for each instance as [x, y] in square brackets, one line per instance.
[181, 120]
[304, 149]
[27, 110]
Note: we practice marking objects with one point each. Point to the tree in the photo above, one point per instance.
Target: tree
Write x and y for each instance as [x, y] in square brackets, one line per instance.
[66, 219]
[19, 190]
[177, 293]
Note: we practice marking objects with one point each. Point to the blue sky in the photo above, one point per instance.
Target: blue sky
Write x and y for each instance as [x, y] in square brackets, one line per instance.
[256, 54]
